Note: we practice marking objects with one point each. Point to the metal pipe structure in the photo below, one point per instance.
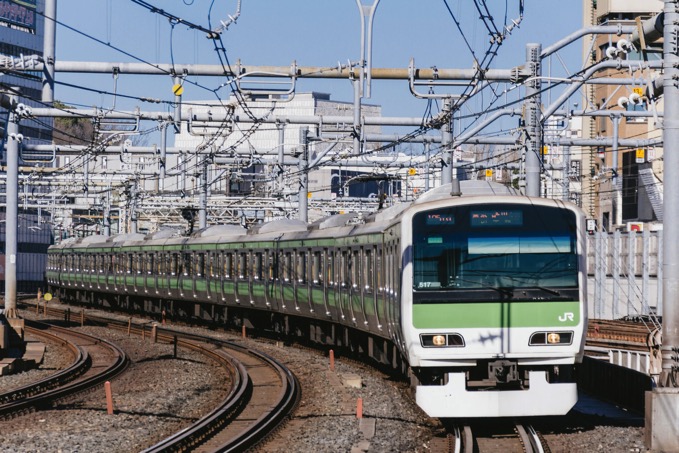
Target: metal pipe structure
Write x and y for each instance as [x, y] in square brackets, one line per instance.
[617, 180]
[49, 50]
[532, 119]
[595, 30]
[662, 403]
[12, 210]
[602, 66]
[670, 333]
[304, 175]
[75, 150]
[447, 175]
[651, 30]
[240, 70]
[202, 197]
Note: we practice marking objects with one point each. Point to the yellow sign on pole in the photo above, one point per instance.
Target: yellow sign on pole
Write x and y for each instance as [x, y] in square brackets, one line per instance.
[489, 173]
[177, 89]
[639, 91]
[641, 154]
[412, 171]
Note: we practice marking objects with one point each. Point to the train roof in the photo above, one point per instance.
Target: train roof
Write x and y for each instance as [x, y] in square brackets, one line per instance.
[338, 225]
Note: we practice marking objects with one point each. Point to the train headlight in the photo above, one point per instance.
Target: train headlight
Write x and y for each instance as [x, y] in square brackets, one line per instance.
[439, 340]
[428, 340]
[551, 338]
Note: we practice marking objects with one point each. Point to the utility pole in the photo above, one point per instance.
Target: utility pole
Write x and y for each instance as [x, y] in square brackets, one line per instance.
[447, 142]
[12, 203]
[202, 198]
[662, 403]
[304, 174]
[49, 46]
[532, 119]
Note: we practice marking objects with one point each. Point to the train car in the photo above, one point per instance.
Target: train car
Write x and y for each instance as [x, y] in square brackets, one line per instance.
[481, 297]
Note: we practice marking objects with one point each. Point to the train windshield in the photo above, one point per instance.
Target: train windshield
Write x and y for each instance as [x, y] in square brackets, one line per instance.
[495, 247]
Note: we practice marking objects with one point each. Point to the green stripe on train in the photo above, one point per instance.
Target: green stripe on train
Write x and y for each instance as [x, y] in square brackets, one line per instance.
[496, 314]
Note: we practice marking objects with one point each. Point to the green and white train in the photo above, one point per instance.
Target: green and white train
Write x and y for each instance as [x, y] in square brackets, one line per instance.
[481, 297]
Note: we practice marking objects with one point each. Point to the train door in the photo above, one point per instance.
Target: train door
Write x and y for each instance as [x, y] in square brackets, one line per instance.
[380, 309]
[268, 277]
[201, 289]
[258, 280]
[345, 285]
[300, 280]
[241, 277]
[288, 295]
[369, 292]
[249, 274]
[356, 290]
[318, 295]
[89, 268]
[210, 257]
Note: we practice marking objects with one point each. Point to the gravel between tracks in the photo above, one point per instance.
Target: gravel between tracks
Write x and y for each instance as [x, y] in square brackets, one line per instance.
[150, 406]
[157, 396]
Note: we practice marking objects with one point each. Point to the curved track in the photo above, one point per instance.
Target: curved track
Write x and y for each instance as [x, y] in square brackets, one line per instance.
[491, 436]
[95, 361]
[263, 393]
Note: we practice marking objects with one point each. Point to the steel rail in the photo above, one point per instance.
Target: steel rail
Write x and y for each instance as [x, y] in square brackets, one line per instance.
[207, 428]
[74, 386]
[81, 362]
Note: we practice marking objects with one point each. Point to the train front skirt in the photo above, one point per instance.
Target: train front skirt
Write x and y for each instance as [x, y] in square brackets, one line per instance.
[453, 400]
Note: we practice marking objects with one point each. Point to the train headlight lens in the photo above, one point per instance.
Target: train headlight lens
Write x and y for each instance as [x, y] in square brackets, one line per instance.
[429, 340]
[439, 340]
[553, 338]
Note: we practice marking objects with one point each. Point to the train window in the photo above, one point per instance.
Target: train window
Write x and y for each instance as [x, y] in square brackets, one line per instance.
[128, 265]
[300, 268]
[187, 264]
[150, 262]
[174, 264]
[243, 266]
[356, 267]
[200, 265]
[379, 283]
[330, 267]
[287, 266]
[316, 272]
[344, 267]
[369, 270]
[258, 266]
[506, 246]
[228, 265]
[272, 262]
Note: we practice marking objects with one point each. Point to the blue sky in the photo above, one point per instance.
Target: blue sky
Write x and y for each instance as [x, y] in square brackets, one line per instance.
[310, 32]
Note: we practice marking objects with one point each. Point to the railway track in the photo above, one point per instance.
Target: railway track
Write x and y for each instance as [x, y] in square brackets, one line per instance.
[263, 394]
[95, 361]
[617, 334]
[490, 437]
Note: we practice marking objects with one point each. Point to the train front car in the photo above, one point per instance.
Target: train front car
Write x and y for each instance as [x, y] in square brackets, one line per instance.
[494, 305]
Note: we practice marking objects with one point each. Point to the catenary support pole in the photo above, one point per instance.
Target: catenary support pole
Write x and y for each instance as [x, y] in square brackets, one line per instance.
[447, 142]
[662, 403]
[202, 198]
[49, 50]
[532, 119]
[304, 174]
[12, 210]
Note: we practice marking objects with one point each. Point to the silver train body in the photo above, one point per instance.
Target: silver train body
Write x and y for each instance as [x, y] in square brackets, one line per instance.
[481, 297]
